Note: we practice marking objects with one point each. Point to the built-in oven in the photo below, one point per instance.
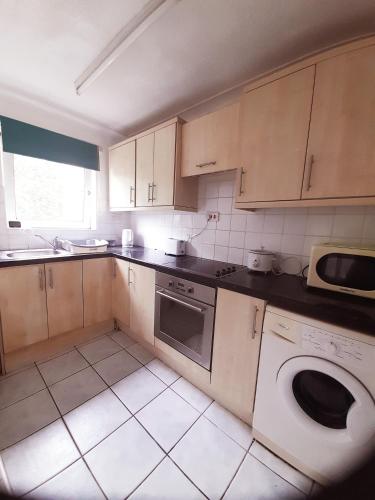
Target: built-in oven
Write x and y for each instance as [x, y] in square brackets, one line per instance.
[184, 316]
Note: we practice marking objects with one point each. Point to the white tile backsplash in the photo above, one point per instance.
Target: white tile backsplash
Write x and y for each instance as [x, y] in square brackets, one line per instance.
[287, 231]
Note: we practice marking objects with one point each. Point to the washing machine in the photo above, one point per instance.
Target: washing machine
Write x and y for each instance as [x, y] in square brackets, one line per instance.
[314, 404]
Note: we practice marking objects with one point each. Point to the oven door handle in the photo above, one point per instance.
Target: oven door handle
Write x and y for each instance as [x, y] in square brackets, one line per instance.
[186, 304]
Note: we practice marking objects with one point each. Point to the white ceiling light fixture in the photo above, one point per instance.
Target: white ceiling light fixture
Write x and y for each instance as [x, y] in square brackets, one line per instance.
[124, 38]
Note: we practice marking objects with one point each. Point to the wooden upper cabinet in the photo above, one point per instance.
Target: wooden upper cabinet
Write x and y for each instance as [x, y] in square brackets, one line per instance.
[120, 291]
[122, 176]
[341, 150]
[142, 302]
[236, 351]
[144, 170]
[23, 306]
[97, 290]
[274, 122]
[164, 166]
[210, 143]
[64, 296]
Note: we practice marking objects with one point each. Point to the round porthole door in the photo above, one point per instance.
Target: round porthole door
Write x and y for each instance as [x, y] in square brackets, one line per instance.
[326, 399]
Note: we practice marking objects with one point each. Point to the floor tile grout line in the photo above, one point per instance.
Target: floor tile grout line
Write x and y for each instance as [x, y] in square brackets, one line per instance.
[166, 454]
[94, 477]
[23, 399]
[72, 437]
[145, 479]
[277, 474]
[236, 472]
[224, 432]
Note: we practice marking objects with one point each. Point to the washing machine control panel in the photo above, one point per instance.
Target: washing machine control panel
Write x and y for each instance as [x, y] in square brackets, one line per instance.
[336, 346]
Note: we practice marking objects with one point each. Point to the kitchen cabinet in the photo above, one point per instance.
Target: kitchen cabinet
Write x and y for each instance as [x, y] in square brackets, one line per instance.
[64, 296]
[97, 290]
[164, 165]
[145, 170]
[23, 306]
[158, 177]
[236, 351]
[142, 302]
[120, 291]
[122, 176]
[274, 123]
[341, 147]
[210, 143]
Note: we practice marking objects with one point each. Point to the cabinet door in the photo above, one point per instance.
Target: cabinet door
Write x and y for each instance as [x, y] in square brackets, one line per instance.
[236, 351]
[64, 296]
[122, 176]
[340, 159]
[144, 170]
[23, 306]
[142, 302]
[164, 165]
[210, 143]
[120, 291]
[97, 290]
[274, 121]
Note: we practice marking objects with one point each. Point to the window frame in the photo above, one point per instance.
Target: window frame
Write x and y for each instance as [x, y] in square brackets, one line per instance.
[89, 212]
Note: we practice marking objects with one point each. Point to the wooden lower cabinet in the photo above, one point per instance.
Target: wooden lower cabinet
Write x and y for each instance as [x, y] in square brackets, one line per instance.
[97, 290]
[23, 306]
[64, 296]
[142, 302]
[120, 291]
[236, 347]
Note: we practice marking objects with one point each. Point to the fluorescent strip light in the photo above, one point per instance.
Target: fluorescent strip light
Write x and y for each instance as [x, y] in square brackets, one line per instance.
[124, 38]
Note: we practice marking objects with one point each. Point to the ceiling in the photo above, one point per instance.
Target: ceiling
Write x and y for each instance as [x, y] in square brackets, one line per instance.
[197, 49]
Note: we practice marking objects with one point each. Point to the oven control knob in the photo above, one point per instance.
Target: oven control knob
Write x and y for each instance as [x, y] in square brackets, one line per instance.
[190, 289]
[218, 274]
[233, 268]
[170, 283]
[224, 271]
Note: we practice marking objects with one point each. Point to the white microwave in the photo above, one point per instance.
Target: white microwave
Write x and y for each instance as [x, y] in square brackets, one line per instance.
[343, 269]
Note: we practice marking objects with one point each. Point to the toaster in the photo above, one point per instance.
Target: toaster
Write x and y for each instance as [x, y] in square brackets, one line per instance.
[173, 246]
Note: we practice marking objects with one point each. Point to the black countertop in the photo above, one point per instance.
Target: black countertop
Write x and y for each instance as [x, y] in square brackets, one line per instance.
[287, 292]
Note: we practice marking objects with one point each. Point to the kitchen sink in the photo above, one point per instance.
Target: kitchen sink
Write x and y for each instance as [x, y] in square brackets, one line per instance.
[33, 253]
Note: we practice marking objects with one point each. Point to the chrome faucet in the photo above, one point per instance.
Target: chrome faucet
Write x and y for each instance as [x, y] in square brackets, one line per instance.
[53, 244]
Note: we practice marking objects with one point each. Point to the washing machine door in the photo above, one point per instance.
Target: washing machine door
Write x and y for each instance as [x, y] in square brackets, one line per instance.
[327, 400]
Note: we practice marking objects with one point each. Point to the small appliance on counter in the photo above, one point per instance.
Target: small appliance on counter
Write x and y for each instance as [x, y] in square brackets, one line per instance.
[346, 269]
[127, 238]
[173, 246]
[260, 260]
[84, 246]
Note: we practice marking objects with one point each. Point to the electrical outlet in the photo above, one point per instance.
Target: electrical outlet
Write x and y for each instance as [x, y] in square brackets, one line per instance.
[213, 216]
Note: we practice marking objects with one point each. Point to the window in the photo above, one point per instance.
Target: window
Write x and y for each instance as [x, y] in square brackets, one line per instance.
[46, 194]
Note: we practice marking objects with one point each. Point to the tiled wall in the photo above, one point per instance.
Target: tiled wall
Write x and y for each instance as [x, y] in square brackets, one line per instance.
[109, 225]
[288, 232]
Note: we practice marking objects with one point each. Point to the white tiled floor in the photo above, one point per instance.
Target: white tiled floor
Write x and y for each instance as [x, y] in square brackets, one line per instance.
[118, 429]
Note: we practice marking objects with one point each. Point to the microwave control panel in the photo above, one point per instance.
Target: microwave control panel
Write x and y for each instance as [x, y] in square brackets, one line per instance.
[323, 343]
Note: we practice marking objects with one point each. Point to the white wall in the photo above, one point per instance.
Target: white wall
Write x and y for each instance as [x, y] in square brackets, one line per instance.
[289, 232]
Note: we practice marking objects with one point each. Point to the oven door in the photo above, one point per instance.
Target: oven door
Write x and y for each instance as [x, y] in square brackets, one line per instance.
[185, 324]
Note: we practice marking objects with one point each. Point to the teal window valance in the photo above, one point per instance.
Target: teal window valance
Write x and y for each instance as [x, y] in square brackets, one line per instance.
[28, 140]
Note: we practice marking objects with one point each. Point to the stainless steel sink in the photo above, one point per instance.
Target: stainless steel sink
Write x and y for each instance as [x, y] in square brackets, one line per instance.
[34, 253]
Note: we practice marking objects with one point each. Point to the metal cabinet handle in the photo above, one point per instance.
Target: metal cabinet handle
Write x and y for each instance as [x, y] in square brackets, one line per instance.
[114, 268]
[153, 198]
[50, 277]
[149, 195]
[131, 199]
[205, 164]
[254, 330]
[41, 280]
[185, 304]
[242, 173]
[129, 280]
[309, 172]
